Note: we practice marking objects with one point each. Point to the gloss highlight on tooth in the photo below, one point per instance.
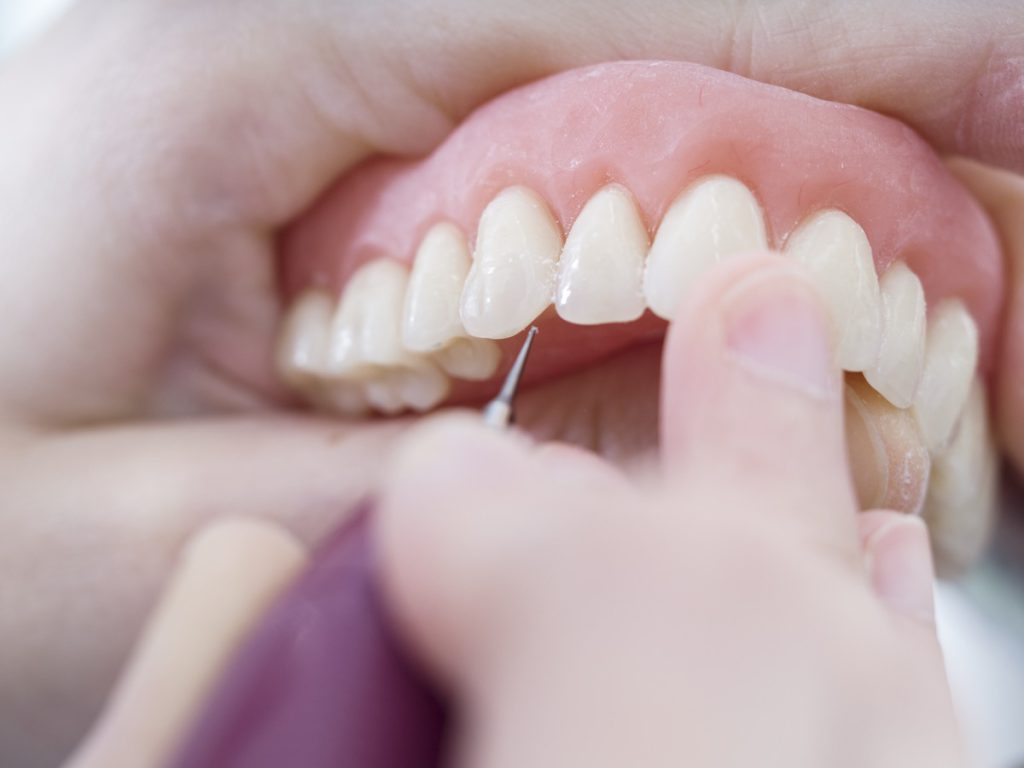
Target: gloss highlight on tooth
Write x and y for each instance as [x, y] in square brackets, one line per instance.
[715, 218]
[600, 273]
[838, 257]
[950, 361]
[512, 277]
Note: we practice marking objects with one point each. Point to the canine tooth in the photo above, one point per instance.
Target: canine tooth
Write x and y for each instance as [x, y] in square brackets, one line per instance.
[838, 256]
[951, 355]
[470, 359]
[600, 273]
[716, 218]
[961, 503]
[431, 315]
[897, 371]
[512, 277]
[366, 330]
[305, 334]
[888, 459]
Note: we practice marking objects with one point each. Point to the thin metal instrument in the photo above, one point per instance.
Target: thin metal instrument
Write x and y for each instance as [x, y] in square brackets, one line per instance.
[499, 412]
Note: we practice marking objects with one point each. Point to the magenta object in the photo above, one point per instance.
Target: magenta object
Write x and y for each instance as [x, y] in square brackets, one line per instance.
[322, 682]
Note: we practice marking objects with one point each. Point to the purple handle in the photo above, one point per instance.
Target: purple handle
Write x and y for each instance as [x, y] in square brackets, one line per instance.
[322, 683]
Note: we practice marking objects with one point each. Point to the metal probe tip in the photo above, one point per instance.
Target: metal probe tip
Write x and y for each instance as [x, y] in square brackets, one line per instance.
[498, 413]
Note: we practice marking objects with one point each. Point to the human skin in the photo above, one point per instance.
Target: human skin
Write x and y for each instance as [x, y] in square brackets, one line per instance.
[143, 188]
[733, 610]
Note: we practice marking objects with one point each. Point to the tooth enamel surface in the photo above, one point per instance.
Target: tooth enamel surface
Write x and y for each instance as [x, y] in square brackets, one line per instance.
[897, 372]
[950, 358]
[600, 273]
[512, 277]
[961, 503]
[431, 316]
[716, 218]
[837, 254]
[302, 350]
[366, 329]
[470, 359]
[422, 386]
[382, 393]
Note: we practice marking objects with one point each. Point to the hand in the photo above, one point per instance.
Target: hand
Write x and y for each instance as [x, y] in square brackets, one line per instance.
[734, 612]
[151, 156]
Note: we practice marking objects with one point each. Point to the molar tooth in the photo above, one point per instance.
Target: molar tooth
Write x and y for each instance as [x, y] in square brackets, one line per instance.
[961, 504]
[469, 359]
[950, 359]
[431, 316]
[716, 218]
[512, 276]
[366, 329]
[897, 372]
[838, 256]
[305, 334]
[600, 273]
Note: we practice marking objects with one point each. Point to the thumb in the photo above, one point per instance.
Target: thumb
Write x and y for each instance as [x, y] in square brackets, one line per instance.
[751, 395]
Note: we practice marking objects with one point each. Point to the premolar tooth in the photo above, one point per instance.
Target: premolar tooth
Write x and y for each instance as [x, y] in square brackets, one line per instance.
[512, 276]
[470, 359]
[305, 334]
[716, 218]
[951, 356]
[431, 316]
[422, 385]
[366, 330]
[961, 503]
[897, 372]
[838, 256]
[382, 392]
[600, 273]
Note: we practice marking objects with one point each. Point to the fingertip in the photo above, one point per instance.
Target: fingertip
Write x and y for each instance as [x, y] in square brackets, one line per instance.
[898, 559]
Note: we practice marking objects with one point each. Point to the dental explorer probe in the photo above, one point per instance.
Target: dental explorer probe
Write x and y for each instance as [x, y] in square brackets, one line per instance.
[323, 682]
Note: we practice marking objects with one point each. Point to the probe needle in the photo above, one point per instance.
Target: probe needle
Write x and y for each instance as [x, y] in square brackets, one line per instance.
[498, 413]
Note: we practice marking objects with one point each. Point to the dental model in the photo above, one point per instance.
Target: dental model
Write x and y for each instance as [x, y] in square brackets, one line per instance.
[597, 224]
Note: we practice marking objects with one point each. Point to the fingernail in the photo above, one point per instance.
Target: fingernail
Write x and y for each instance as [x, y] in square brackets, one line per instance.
[900, 566]
[776, 328]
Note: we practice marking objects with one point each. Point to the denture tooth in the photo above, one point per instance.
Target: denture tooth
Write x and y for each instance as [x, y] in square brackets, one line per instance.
[512, 277]
[716, 218]
[469, 359]
[421, 386]
[897, 372]
[431, 316]
[837, 254]
[383, 395]
[305, 334]
[366, 330]
[888, 459]
[950, 359]
[600, 273]
[962, 495]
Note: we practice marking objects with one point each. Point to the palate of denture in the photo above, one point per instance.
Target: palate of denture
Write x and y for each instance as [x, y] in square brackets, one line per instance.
[888, 458]
[837, 255]
[961, 505]
[512, 278]
[600, 272]
[950, 361]
[715, 218]
[897, 371]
